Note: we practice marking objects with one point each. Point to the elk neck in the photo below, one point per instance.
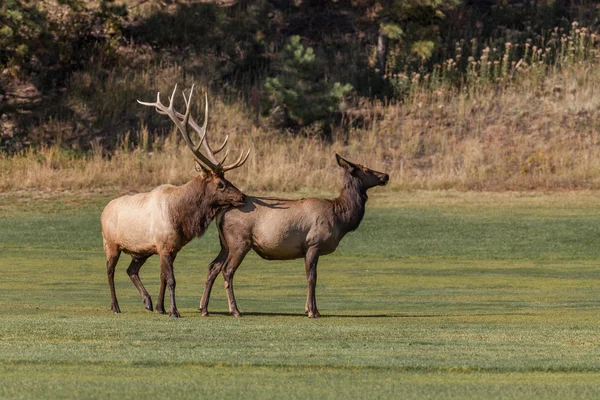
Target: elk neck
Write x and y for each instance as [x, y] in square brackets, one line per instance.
[192, 210]
[349, 207]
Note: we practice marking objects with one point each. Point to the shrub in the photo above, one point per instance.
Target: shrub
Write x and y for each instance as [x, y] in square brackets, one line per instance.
[58, 34]
[301, 91]
[23, 25]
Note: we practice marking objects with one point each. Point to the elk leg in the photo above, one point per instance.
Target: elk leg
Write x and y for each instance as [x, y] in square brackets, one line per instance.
[168, 277]
[214, 268]
[310, 264]
[160, 305]
[112, 257]
[229, 269]
[132, 271]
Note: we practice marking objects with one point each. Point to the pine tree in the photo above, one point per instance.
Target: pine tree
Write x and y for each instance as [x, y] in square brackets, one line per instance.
[300, 90]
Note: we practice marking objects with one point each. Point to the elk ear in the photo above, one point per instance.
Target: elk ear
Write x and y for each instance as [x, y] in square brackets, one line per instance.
[347, 165]
[201, 168]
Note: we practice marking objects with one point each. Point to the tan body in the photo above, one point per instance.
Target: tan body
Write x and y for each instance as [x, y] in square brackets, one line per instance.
[141, 225]
[161, 222]
[279, 229]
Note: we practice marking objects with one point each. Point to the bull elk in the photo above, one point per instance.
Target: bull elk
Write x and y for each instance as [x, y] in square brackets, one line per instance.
[167, 218]
[279, 229]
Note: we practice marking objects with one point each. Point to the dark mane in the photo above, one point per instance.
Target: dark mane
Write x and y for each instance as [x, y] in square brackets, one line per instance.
[193, 209]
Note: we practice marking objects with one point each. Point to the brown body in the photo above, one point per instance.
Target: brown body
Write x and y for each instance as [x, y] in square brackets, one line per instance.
[161, 222]
[279, 229]
[167, 218]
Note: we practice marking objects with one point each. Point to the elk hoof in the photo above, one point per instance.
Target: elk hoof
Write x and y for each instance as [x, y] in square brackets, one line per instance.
[236, 314]
[161, 312]
[174, 314]
[115, 309]
[314, 315]
[205, 313]
[148, 303]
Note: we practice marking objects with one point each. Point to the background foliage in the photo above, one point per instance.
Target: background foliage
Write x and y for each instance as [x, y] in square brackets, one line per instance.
[299, 90]
[297, 60]
[441, 93]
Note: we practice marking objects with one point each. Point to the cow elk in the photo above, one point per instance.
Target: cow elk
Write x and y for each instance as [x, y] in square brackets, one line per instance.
[279, 229]
[167, 218]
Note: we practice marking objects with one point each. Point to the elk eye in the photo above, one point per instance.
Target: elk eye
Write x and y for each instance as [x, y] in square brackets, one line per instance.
[220, 185]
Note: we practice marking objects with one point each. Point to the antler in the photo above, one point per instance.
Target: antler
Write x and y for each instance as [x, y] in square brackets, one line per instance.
[201, 130]
[209, 160]
[240, 161]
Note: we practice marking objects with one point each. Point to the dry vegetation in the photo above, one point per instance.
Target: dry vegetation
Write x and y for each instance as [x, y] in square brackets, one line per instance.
[533, 133]
[514, 124]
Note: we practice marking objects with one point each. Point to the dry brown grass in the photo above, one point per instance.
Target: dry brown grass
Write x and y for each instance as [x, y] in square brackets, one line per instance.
[537, 131]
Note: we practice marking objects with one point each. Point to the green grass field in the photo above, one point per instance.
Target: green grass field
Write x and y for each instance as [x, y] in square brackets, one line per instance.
[436, 295]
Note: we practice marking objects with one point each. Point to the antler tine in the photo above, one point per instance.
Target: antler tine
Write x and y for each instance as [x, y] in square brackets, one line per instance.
[205, 111]
[221, 147]
[224, 158]
[188, 109]
[201, 130]
[185, 99]
[202, 141]
[172, 97]
[240, 161]
[182, 125]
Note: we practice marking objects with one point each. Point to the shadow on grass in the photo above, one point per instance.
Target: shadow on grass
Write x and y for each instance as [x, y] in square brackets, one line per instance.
[382, 315]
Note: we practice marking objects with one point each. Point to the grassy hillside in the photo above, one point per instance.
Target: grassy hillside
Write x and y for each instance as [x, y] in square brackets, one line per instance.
[539, 132]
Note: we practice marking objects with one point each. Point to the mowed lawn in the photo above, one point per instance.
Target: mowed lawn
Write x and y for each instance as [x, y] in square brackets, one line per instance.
[436, 295]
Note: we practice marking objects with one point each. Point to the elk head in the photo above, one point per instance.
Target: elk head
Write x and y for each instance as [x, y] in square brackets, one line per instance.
[221, 192]
[367, 177]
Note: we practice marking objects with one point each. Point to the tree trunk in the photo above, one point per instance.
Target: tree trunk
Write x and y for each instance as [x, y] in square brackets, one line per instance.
[382, 50]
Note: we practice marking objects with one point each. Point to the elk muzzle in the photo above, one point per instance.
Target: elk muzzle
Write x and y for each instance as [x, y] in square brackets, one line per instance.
[240, 202]
[384, 178]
